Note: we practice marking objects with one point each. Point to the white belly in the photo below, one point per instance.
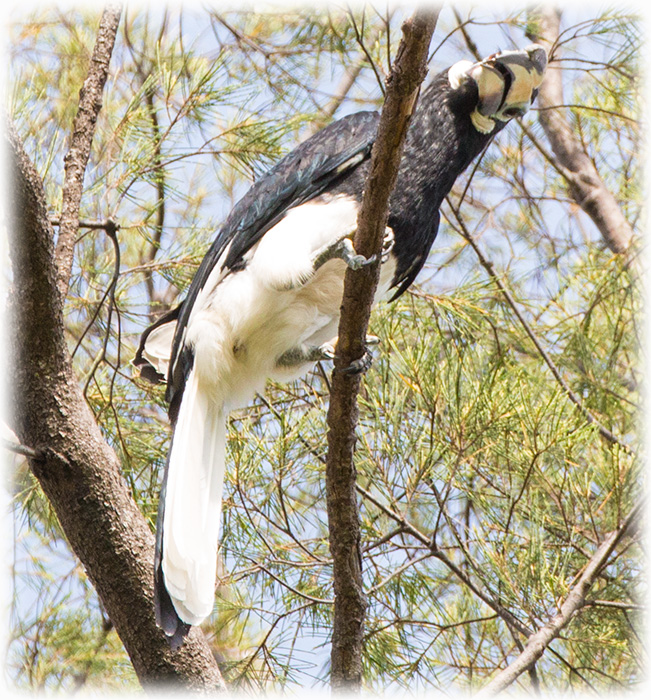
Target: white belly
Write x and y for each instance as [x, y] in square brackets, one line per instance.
[252, 317]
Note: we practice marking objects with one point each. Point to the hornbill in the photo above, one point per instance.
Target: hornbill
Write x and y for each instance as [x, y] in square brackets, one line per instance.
[265, 300]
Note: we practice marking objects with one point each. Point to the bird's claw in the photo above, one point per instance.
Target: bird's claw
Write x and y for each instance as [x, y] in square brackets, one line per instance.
[363, 364]
[387, 244]
[326, 351]
[350, 256]
[344, 250]
[357, 262]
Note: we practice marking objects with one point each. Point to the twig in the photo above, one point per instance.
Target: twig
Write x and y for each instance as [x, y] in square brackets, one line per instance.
[343, 89]
[111, 231]
[243, 671]
[158, 168]
[396, 572]
[81, 678]
[284, 584]
[106, 224]
[360, 40]
[23, 450]
[409, 529]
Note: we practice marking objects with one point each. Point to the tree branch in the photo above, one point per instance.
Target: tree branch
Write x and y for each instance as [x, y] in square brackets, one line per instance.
[408, 72]
[83, 130]
[77, 470]
[583, 180]
[22, 450]
[345, 86]
[538, 642]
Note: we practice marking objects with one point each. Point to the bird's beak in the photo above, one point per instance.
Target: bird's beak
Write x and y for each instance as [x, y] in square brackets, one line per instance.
[507, 83]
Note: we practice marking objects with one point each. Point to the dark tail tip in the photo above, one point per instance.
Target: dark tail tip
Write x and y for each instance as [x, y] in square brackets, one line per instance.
[166, 616]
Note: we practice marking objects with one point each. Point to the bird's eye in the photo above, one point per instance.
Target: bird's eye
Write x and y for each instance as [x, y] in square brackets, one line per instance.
[512, 112]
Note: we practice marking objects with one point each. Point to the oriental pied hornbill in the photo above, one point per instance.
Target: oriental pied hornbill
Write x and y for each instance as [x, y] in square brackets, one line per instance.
[265, 300]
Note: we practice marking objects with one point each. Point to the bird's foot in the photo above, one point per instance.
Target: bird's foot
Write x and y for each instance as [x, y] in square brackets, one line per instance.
[363, 364]
[387, 244]
[302, 354]
[357, 262]
[344, 250]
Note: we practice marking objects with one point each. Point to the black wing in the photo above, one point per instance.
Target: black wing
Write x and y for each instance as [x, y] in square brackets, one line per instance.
[309, 170]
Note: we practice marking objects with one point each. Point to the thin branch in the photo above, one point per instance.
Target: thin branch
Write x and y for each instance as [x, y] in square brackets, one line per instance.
[111, 232]
[82, 678]
[76, 159]
[615, 605]
[410, 529]
[403, 85]
[396, 572]
[106, 224]
[243, 671]
[343, 89]
[284, 584]
[158, 167]
[538, 642]
[22, 450]
[360, 41]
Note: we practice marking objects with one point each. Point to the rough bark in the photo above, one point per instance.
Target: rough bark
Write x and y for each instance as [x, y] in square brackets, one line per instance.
[584, 182]
[83, 130]
[78, 471]
[408, 72]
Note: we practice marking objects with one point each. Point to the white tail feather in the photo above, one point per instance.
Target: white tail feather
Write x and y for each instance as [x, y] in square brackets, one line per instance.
[193, 503]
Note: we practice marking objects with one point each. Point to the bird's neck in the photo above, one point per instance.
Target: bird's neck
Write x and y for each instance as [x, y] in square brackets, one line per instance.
[442, 140]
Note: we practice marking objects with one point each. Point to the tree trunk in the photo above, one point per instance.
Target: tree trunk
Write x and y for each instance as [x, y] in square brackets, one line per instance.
[78, 471]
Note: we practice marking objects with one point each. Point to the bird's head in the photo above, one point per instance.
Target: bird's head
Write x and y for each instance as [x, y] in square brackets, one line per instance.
[506, 84]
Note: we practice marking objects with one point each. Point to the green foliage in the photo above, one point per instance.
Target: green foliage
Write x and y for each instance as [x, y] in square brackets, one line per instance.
[61, 639]
[465, 435]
